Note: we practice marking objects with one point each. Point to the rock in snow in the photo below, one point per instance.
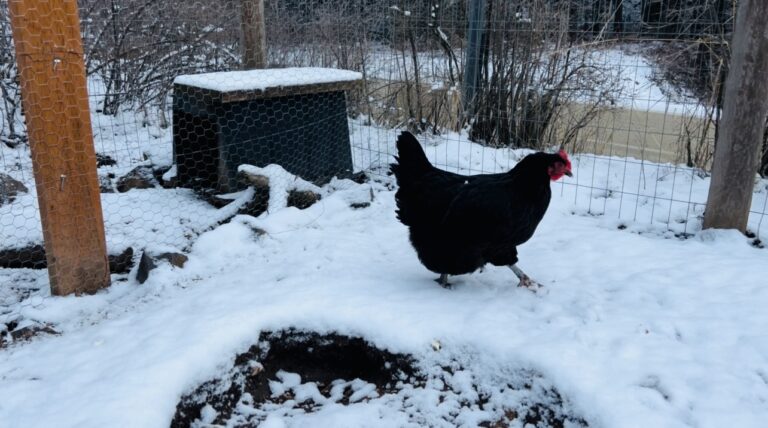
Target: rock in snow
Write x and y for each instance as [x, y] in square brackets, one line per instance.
[148, 262]
[10, 188]
[140, 177]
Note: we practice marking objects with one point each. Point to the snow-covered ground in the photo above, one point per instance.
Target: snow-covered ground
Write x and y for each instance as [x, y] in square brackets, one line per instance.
[644, 319]
[637, 84]
[634, 327]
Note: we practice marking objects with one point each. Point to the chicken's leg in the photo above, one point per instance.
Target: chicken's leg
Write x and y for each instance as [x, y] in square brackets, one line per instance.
[443, 280]
[525, 280]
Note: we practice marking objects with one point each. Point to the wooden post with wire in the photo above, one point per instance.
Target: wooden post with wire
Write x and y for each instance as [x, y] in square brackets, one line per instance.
[49, 53]
[254, 38]
[745, 107]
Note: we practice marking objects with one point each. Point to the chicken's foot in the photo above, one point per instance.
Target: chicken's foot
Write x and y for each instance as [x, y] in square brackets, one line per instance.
[443, 280]
[525, 280]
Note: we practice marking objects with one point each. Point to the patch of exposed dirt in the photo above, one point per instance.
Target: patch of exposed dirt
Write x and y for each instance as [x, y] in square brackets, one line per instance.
[316, 358]
[295, 372]
[10, 332]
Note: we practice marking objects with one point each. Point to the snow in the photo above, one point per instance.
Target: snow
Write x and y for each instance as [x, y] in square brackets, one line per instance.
[208, 414]
[627, 74]
[633, 326]
[637, 85]
[251, 80]
[170, 174]
[280, 182]
[386, 410]
[288, 380]
[137, 218]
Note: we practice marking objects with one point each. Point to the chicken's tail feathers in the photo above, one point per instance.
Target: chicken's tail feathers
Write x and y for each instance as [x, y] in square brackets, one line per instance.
[410, 158]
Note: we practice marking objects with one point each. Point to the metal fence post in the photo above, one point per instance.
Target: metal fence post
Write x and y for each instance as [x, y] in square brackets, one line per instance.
[475, 31]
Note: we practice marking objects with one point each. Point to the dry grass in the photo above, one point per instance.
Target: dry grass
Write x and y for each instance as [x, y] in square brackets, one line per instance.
[618, 131]
[392, 102]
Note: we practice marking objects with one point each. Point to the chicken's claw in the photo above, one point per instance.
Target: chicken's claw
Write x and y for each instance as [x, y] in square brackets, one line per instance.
[528, 283]
[525, 280]
[443, 281]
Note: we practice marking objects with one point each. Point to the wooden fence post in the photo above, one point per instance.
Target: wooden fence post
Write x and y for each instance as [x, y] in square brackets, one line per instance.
[254, 37]
[745, 107]
[49, 53]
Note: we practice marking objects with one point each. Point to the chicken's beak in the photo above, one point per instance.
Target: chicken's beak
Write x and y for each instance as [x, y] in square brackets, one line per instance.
[568, 173]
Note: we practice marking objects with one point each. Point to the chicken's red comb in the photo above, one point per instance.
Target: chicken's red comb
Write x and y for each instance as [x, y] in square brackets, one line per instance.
[564, 155]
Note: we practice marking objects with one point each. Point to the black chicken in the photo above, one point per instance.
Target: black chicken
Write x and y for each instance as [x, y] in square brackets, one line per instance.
[458, 223]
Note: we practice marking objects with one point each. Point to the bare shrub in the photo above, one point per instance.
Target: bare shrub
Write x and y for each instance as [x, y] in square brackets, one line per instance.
[136, 47]
[530, 69]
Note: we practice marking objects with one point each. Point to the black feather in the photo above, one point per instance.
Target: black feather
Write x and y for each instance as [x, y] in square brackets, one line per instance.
[458, 223]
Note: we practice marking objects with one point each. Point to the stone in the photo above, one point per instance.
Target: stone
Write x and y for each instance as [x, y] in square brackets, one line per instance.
[302, 199]
[359, 205]
[26, 333]
[146, 264]
[106, 185]
[359, 177]
[121, 263]
[260, 202]
[104, 160]
[10, 188]
[258, 232]
[255, 180]
[175, 259]
[140, 177]
[149, 262]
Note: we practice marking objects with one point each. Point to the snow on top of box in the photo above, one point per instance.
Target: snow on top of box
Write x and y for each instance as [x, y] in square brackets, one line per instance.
[250, 80]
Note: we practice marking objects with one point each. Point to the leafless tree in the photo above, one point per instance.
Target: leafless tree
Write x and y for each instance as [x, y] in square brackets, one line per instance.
[12, 131]
[134, 48]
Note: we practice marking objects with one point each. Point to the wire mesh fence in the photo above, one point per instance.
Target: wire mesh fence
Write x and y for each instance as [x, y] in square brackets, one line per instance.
[632, 88]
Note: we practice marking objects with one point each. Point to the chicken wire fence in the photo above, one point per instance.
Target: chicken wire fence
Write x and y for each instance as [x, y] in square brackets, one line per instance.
[630, 88]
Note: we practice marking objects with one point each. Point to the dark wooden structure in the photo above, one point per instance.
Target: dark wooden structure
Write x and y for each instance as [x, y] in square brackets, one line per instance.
[219, 124]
